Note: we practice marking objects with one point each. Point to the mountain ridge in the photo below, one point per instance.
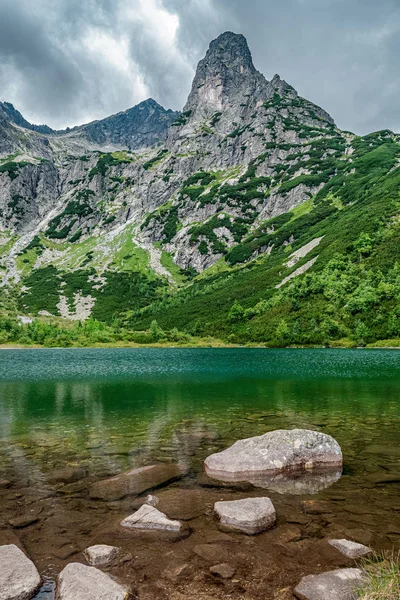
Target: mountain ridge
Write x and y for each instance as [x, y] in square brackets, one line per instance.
[244, 182]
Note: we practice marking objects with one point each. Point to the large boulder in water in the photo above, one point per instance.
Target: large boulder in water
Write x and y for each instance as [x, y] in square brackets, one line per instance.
[135, 482]
[19, 578]
[280, 451]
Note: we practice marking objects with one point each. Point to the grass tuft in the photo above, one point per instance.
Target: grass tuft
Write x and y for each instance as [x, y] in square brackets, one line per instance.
[382, 578]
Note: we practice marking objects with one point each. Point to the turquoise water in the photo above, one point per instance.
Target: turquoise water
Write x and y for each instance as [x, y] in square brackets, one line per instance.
[138, 405]
[108, 410]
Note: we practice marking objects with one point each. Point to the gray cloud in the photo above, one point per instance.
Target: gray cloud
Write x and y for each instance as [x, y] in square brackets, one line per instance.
[65, 62]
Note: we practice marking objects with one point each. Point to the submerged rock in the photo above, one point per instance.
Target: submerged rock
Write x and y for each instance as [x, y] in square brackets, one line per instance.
[134, 482]
[223, 570]
[277, 452]
[19, 578]
[251, 515]
[67, 475]
[105, 556]
[77, 581]
[350, 549]
[148, 517]
[341, 584]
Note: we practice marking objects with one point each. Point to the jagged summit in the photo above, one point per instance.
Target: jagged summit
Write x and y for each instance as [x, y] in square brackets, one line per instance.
[232, 50]
[225, 75]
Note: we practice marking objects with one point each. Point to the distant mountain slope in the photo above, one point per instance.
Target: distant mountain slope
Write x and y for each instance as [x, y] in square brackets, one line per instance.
[257, 219]
[139, 127]
[8, 110]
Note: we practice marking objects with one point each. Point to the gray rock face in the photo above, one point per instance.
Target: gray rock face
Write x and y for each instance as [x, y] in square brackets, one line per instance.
[226, 72]
[280, 451]
[19, 578]
[139, 127]
[148, 517]
[234, 119]
[87, 583]
[341, 584]
[350, 549]
[134, 482]
[250, 516]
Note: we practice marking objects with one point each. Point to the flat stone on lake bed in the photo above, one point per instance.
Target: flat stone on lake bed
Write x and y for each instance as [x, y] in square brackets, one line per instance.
[134, 482]
[278, 451]
[19, 578]
[341, 584]
[79, 582]
[350, 549]
[148, 517]
[250, 515]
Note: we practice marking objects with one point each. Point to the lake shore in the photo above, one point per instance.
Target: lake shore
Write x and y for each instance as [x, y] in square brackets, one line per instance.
[215, 343]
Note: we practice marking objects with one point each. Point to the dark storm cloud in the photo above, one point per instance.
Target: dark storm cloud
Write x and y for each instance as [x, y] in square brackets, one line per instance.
[67, 61]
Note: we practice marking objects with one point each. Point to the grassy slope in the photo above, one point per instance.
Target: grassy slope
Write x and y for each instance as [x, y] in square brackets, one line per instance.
[352, 290]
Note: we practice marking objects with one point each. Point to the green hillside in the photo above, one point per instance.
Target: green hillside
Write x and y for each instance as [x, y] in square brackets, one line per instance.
[351, 291]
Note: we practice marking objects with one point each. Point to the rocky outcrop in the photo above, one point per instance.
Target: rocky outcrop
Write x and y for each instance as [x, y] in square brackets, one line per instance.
[341, 584]
[250, 515]
[280, 451]
[134, 482]
[19, 578]
[87, 583]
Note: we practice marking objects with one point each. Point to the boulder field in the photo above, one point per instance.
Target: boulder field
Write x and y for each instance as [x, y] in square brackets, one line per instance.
[277, 452]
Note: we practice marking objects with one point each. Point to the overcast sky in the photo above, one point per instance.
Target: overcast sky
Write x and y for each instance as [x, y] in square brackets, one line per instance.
[66, 62]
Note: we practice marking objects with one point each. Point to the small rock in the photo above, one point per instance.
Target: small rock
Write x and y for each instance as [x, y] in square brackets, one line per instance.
[134, 482]
[250, 516]
[67, 475]
[25, 521]
[223, 570]
[78, 581]
[66, 551]
[315, 507]
[286, 534]
[362, 536]
[105, 556]
[179, 572]
[333, 585]
[148, 517]
[4, 484]
[19, 578]
[350, 549]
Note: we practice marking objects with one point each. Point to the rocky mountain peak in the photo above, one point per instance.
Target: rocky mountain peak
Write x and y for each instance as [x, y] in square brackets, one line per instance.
[225, 74]
[230, 50]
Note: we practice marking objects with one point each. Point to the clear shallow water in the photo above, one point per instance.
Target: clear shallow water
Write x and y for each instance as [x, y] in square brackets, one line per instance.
[61, 405]
[108, 410]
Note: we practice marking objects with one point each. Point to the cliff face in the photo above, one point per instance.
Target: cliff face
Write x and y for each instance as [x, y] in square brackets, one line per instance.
[189, 186]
